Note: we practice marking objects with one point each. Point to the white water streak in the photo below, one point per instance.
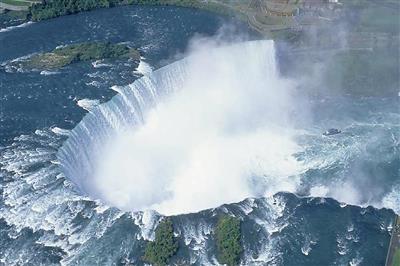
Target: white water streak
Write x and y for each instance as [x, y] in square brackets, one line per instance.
[223, 136]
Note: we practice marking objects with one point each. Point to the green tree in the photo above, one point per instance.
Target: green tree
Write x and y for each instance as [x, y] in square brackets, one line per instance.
[228, 236]
[165, 245]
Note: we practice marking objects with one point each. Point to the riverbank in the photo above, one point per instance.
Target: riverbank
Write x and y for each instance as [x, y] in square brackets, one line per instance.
[268, 17]
[52, 9]
[256, 13]
[393, 257]
[17, 5]
[48, 10]
[38, 11]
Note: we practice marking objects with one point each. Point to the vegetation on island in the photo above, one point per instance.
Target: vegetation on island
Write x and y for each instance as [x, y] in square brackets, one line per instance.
[69, 54]
[164, 246]
[228, 235]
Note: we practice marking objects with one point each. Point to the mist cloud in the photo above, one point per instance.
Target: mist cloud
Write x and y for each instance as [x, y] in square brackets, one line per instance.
[226, 135]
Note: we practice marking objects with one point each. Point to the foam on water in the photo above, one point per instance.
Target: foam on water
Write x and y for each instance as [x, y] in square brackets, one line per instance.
[100, 63]
[48, 73]
[38, 198]
[215, 122]
[392, 199]
[88, 104]
[42, 214]
[60, 131]
[143, 68]
[16, 27]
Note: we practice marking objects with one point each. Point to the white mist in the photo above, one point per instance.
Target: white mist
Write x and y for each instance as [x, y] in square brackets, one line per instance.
[224, 135]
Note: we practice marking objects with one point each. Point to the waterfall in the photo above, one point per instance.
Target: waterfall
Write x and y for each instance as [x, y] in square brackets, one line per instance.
[124, 111]
[176, 139]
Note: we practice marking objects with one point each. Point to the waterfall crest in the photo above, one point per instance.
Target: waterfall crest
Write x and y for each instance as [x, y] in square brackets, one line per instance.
[123, 112]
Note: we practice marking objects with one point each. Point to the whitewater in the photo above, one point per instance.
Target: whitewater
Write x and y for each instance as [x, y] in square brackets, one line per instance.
[216, 127]
[58, 199]
[210, 129]
[51, 217]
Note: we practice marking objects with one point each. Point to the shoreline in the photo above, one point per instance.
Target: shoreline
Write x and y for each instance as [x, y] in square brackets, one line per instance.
[393, 255]
[244, 12]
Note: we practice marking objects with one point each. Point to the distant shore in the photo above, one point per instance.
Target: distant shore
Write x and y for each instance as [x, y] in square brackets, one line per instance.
[393, 257]
[251, 12]
[38, 11]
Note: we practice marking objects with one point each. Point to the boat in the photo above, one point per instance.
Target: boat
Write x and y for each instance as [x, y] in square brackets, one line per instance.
[331, 131]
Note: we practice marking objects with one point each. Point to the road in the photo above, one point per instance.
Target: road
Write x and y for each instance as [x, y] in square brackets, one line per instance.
[394, 245]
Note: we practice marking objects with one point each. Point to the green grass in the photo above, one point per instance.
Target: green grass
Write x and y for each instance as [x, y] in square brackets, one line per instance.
[396, 258]
[14, 15]
[16, 2]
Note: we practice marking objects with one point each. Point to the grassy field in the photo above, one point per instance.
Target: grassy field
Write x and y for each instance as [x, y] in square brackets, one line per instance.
[16, 2]
[393, 258]
[19, 2]
[396, 260]
[396, 257]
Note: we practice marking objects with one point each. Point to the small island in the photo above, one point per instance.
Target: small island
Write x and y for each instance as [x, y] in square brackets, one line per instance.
[164, 246]
[228, 240]
[63, 56]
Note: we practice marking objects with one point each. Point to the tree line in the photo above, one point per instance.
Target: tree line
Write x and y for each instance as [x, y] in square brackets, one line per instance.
[56, 8]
